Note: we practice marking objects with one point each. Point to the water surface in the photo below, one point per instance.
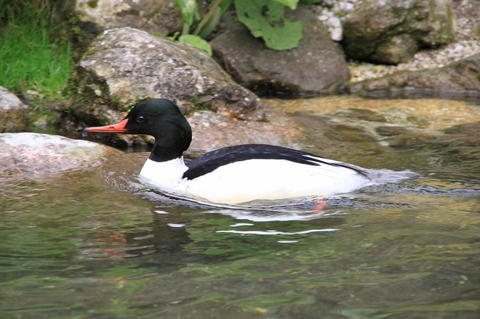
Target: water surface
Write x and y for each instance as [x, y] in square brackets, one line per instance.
[95, 244]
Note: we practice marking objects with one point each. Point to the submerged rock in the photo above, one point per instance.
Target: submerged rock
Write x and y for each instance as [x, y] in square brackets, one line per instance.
[13, 113]
[462, 140]
[397, 122]
[457, 78]
[316, 66]
[33, 155]
[391, 32]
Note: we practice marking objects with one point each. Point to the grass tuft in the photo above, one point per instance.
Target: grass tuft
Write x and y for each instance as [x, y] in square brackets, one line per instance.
[29, 58]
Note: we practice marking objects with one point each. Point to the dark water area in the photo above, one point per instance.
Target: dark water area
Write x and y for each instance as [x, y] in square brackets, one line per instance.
[98, 244]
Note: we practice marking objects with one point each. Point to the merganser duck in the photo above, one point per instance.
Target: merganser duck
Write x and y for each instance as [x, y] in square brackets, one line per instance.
[237, 174]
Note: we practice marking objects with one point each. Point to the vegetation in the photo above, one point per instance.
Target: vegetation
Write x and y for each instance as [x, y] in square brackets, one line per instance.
[264, 18]
[30, 60]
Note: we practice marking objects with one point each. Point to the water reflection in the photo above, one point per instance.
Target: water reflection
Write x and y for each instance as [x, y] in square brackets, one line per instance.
[160, 237]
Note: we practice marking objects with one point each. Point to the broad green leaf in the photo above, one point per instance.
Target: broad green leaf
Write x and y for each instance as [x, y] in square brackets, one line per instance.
[292, 4]
[197, 42]
[188, 9]
[284, 38]
[225, 5]
[265, 19]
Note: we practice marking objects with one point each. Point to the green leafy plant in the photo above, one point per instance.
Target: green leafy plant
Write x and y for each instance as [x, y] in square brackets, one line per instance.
[264, 18]
[197, 42]
[189, 12]
[188, 9]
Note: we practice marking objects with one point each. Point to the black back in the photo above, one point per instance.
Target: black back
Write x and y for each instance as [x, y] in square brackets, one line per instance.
[215, 159]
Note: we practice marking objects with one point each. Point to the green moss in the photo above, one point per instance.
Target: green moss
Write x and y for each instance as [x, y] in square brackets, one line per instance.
[13, 121]
[441, 12]
[117, 104]
[198, 105]
[91, 50]
[476, 31]
[86, 99]
[46, 115]
[92, 4]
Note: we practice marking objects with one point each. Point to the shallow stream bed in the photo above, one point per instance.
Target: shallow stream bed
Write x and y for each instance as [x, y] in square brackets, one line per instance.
[96, 244]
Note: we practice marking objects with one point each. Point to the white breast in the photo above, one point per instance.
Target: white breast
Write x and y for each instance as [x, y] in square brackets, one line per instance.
[167, 176]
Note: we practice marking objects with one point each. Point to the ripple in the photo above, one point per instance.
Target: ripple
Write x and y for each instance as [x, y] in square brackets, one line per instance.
[275, 232]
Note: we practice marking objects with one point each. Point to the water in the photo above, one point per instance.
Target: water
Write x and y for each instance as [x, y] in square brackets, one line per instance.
[95, 244]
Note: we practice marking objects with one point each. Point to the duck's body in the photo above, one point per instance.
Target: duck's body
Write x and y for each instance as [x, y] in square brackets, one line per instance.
[236, 174]
[244, 173]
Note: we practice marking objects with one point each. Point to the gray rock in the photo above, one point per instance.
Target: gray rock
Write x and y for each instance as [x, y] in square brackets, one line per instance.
[212, 131]
[155, 16]
[13, 113]
[391, 32]
[33, 156]
[126, 65]
[316, 66]
[457, 78]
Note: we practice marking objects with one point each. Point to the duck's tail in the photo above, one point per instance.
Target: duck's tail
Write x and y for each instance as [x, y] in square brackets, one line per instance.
[386, 176]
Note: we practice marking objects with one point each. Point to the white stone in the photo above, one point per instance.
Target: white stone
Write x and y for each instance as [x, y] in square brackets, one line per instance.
[458, 48]
[336, 34]
[33, 155]
[349, 6]
[35, 140]
[9, 101]
[334, 21]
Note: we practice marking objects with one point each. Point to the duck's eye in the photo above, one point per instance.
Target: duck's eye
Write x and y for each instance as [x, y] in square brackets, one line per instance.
[140, 119]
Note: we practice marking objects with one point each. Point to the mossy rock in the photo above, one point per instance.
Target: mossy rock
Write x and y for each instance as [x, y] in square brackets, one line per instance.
[391, 32]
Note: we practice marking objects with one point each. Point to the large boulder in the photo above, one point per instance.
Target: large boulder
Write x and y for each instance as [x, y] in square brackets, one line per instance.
[13, 113]
[316, 66]
[460, 77]
[33, 155]
[124, 66]
[391, 31]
